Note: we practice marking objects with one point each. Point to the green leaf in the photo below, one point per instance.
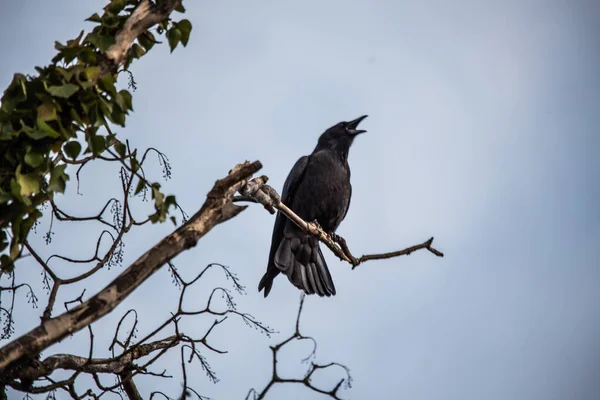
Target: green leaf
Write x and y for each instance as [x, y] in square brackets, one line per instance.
[179, 8]
[118, 117]
[58, 179]
[146, 40]
[72, 149]
[7, 105]
[7, 264]
[6, 129]
[94, 18]
[174, 37]
[69, 131]
[36, 134]
[170, 201]
[87, 56]
[97, 144]
[140, 186]
[100, 41]
[65, 91]
[15, 190]
[14, 249]
[110, 21]
[116, 6]
[69, 53]
[91, 73]
[43, 126]
[34, 158]
[75, 42]
[15, 93]
[76, 116]
[135, 165]
[106, 106]
[127, 100]
[66, 73]
[185, 26]
[120, 102]
[137, 50]
[107, 83]
[29, 183]
[120, 148]
[4, 197]
[46, 112]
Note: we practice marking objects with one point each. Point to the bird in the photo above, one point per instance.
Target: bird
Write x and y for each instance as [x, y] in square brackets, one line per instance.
[318, 190]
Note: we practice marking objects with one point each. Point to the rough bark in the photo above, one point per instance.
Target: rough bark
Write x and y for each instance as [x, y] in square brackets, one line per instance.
[116, 365]
[143, 17]
[129, 386]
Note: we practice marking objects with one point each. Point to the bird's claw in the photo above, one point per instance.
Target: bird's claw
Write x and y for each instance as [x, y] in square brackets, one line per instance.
[336, 238]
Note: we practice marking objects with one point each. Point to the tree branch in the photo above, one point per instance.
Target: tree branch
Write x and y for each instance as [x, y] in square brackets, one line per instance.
[257, 191]
[216, 209]
[145, 15]
[306, 380]
[129, 386]
[116, 365]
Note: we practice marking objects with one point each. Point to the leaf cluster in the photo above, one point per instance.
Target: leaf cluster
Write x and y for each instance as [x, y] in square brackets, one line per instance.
[63, 115]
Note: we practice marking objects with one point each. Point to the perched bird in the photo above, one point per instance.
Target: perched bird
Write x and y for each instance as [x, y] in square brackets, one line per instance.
[318, 190]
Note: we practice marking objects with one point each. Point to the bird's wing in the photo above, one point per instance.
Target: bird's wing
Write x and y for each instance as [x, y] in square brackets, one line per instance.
[289, 188]
[294, 177]
[347, 205]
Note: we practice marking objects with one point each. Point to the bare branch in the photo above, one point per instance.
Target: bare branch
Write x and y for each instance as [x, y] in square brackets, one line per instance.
[306, 380]
[216, 209]
[114, 365]
[257, 191]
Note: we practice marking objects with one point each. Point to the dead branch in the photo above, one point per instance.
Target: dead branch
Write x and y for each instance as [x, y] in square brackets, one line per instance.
[306, 380]
[257, 191]
[217, 208]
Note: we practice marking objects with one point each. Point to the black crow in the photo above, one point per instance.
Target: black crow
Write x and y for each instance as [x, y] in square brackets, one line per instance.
[318, 190]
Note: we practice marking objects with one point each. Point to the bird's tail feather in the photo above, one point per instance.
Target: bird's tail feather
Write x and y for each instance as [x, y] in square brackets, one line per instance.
[266, 283]
[300, 258]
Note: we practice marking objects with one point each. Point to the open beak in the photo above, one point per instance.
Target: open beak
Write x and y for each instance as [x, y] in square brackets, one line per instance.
[352, 125]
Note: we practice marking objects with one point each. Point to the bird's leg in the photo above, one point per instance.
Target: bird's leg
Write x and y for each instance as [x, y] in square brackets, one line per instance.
[332, 235]
[344, 246]
[317, 224]
[336, 238]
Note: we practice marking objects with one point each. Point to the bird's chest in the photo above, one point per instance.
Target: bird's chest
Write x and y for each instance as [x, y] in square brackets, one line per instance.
[325, 192]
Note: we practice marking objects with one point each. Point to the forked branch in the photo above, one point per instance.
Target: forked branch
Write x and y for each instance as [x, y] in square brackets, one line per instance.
[307, 379]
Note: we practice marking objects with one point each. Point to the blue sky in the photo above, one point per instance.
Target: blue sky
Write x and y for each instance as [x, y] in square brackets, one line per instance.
[483, 132]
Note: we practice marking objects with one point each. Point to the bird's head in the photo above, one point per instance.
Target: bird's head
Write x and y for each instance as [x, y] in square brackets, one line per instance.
[340, 136]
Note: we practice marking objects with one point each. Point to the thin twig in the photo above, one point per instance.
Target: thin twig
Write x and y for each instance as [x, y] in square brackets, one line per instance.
[306, 380]
[257, 191]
